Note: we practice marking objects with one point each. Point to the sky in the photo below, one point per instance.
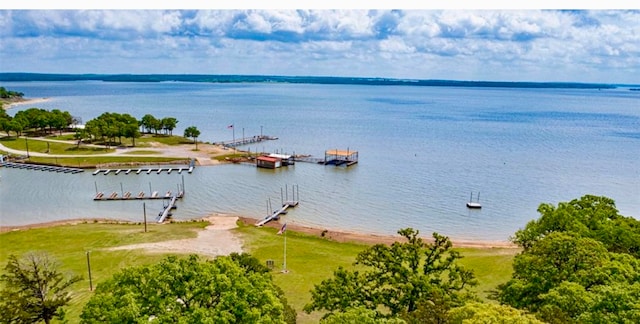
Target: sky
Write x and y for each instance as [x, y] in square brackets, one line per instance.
[590, 45]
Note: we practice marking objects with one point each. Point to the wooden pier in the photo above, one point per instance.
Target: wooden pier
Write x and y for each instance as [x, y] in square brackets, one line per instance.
[246, 140]
[40, 167]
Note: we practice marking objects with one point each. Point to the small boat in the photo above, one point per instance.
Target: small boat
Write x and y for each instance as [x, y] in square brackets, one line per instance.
[472, 204]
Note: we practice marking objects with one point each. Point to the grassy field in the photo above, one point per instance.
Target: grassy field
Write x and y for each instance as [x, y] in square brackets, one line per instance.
[90, 162]
[310, 259]
[50, 147]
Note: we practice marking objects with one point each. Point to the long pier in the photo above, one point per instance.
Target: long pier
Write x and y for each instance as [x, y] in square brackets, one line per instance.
[276, 214]
[40, 167]
[246, 140]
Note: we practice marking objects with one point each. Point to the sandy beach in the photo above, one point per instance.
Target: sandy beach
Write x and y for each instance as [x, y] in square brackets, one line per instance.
[25, 102]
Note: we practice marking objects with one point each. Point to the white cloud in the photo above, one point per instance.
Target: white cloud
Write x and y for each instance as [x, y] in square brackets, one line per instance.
[502, 44]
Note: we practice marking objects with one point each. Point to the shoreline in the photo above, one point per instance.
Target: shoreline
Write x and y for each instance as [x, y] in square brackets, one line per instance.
[344, 236]
[8, 105]
[334, 235]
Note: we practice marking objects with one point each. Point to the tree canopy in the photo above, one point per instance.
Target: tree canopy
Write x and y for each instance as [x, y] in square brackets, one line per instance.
[579, 263]
[192, 132]
[398, 280]
[187, 290]
[34, 289]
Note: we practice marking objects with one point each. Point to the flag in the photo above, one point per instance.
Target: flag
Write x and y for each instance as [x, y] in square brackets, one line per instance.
[282, 229]
[230, 126]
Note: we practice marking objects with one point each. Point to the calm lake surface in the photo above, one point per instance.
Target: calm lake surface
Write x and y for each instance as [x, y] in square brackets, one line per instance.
[422, 151]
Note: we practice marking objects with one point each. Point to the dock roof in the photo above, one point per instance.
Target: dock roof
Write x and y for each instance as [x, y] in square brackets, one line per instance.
[340, 152]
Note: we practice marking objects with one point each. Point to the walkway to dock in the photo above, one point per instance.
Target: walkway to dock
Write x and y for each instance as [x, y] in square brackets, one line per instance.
[276, 214]
[167, 209]
[286, 204]
[246, 140]
[40, 167]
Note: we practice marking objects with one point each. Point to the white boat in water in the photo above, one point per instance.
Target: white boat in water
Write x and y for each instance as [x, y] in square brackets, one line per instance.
[476, 204]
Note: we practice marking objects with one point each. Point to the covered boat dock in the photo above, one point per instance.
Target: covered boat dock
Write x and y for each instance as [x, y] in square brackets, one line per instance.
[340, 157]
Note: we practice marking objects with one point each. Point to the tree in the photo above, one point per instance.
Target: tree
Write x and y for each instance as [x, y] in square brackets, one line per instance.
[565, 278]
[186, 290]
[34, 289]
[398, 278]
[169, 123]
[577, 258]
[481, 313]
[193, 132]
[590, 216]
[359, 315]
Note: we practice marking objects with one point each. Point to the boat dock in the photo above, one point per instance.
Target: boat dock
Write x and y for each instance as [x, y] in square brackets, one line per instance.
[276, 214]
[145, 170]
[246, 140]
[340, 157]
[140, 196]
[286, 204]
[40, 167]
[149, 170]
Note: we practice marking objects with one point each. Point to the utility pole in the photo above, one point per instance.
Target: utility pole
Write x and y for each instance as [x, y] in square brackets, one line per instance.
[89, 268]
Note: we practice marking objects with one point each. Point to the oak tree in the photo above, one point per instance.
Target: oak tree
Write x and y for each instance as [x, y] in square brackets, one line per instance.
[397, 279]
[34, 289]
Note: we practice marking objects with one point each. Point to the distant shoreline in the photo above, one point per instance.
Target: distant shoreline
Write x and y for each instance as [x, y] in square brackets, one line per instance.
[216, 78]
[335, 235]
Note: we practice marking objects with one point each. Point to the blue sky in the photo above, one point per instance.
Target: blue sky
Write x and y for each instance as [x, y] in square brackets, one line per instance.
[455, 44]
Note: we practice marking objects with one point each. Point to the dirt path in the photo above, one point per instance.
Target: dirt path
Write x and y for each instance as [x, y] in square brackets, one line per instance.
[216, 239]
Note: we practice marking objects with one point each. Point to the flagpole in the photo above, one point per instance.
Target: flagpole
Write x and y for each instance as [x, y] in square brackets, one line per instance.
[285, 253]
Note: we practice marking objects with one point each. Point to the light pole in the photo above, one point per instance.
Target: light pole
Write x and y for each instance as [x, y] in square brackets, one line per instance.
[26, 143]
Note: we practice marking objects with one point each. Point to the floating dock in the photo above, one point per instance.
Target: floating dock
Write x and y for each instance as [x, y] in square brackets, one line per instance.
[140, 196]
[40, 167]
[148, 170]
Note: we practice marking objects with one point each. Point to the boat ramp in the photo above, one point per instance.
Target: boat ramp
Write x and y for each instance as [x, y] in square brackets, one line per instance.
[40, 167]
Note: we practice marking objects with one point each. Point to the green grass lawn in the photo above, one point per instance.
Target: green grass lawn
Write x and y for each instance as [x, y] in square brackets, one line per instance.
[69, 244]
[41, 146]
[310, 259]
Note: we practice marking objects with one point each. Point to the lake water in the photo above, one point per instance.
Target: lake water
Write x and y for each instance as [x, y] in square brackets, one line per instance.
[422, 151]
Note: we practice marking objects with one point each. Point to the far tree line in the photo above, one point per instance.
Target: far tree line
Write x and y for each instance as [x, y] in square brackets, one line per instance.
[109, 127]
